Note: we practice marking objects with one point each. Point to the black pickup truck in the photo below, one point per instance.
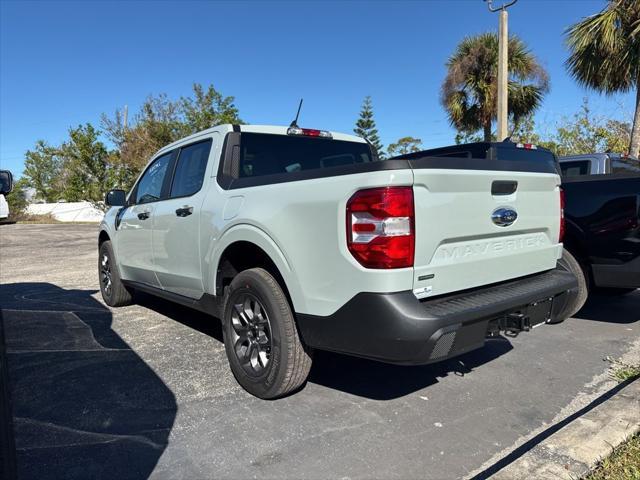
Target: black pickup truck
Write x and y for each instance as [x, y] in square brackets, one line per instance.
[602, 212]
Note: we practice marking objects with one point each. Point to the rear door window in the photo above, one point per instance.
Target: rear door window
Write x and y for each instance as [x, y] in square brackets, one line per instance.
[190, 169]
[266, 154]
[575, 169]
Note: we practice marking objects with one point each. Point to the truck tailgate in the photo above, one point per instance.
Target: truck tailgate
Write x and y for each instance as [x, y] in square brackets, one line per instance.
[459, 242]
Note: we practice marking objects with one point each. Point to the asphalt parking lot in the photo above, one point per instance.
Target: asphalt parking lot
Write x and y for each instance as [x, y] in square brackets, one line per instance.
[146, 391]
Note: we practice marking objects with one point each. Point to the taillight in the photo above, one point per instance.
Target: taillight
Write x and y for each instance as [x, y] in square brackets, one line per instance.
[562, 221]
[380, 227]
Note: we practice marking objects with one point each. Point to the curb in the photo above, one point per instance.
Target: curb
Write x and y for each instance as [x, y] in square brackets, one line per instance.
[571, 448]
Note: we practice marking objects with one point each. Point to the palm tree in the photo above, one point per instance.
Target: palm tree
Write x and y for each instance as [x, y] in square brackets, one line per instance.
[605, 54]
[469, 91]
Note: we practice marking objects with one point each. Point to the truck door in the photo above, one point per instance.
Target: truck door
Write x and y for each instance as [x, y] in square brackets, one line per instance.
[176, 221]
[133, 244]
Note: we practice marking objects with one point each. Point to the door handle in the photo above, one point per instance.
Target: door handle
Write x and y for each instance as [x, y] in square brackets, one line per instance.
[184, 211]
[143, 215]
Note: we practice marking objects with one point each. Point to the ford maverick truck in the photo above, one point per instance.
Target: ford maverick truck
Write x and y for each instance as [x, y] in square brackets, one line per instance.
[301, 239]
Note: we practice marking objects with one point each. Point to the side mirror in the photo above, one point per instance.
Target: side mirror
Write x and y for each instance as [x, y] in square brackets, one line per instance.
[6, 182]
[116, 198]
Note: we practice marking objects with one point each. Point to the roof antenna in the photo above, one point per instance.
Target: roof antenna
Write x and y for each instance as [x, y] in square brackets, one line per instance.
[294, 124]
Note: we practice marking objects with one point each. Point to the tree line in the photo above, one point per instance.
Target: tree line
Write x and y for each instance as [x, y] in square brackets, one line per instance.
[83, 167]
[604, 56]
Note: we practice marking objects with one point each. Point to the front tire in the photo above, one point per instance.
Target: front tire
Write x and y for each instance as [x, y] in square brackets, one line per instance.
[114, 293]
[569, 263]
[261, 340]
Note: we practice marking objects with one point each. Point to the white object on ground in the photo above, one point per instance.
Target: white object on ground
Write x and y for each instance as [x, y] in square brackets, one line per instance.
[68, 212]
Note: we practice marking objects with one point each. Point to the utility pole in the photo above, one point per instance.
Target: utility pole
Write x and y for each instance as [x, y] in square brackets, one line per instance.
[503, 68]
[126, 115]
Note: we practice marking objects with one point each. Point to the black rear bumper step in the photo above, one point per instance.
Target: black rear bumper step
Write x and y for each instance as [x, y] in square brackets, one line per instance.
[399, 328]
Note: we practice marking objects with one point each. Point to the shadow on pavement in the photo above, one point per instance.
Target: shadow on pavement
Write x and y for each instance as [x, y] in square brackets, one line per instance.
[383, 381]
[187, 316]
[85, 405]
[357, 376]
[612, 309]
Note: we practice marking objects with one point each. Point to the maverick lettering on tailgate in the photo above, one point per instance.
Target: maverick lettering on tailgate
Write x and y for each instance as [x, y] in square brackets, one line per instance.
[490, 247]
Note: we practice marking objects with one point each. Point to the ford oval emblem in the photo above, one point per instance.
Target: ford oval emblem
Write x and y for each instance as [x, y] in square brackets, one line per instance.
[503, 216]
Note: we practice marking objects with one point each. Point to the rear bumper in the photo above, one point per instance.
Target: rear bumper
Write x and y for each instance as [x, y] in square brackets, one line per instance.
[399, 328]
[625, 275]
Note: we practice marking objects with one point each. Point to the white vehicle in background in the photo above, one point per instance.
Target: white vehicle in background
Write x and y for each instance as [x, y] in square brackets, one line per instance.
[6, 185]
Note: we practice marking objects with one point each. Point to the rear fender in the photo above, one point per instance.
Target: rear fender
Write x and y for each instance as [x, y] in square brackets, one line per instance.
[252, 234]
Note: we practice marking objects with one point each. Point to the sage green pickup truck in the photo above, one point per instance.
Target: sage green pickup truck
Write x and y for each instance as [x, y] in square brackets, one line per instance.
[301, 239]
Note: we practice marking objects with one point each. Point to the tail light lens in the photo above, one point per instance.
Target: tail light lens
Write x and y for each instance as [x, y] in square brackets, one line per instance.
[562, 221]
[380, 227]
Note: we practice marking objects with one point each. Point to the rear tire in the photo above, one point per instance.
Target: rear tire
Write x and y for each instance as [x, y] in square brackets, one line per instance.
[114, 293]
[263, 347]
[569, 263]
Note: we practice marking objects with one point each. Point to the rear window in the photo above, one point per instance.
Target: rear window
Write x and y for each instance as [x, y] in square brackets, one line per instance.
[485, 156]
[625, 166]
[575, 169]
[485, 151]
[521, 155]
[264, 154]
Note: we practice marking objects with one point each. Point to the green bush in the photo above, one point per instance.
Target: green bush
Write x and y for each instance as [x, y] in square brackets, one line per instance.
[17, 201]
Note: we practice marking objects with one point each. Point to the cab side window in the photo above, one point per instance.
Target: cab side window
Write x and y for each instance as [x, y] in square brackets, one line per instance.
[149, 187]
[189, 173]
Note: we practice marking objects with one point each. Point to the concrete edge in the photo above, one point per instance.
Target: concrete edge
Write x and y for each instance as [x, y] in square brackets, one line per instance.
[581, 441]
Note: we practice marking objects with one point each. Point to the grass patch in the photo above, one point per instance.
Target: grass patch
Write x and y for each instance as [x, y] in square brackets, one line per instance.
[624, 371]
[27, 218]
[622, 464]
[46, 219]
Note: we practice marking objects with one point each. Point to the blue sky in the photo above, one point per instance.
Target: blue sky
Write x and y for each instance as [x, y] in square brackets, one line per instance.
[65, 63]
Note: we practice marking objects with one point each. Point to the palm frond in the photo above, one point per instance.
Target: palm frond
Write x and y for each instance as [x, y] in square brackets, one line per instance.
[605, 48]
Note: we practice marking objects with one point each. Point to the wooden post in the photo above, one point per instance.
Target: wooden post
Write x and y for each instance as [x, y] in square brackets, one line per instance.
[503, 77]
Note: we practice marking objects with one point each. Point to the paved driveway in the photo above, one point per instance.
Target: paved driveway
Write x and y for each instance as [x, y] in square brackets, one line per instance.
[145, 390]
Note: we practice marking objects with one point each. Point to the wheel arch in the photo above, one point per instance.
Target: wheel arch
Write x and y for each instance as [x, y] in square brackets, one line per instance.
[574, 242]
[246, 246]
[103, 237]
